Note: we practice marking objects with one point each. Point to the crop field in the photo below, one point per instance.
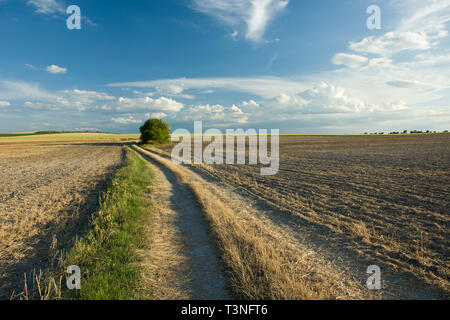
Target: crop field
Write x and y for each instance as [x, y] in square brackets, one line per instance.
[47, 193]
[337, 205]
[380, 200]
[67, 137]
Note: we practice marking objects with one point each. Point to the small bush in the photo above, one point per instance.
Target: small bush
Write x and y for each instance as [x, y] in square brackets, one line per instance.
[155, 130]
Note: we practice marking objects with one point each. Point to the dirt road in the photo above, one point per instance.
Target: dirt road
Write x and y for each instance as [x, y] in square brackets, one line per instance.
[182, 261]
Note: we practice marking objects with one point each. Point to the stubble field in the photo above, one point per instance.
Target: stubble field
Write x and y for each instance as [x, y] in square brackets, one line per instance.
[377, 199]
[47, 193]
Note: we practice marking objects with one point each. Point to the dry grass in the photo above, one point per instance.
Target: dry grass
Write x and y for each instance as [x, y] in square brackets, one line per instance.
[260, 259]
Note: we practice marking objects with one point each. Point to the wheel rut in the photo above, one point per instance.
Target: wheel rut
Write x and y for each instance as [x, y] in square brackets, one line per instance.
[182, 260]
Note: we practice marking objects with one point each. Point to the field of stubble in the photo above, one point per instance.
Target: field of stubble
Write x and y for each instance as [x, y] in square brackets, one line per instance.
[381, 199]
[47, 193]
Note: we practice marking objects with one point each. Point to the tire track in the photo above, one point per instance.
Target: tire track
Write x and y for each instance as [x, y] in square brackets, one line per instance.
[182, 260]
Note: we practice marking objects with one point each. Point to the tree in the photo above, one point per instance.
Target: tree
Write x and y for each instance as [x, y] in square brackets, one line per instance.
[155, 130]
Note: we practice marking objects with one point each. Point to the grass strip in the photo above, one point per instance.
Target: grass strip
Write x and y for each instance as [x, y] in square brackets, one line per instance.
[107, 254]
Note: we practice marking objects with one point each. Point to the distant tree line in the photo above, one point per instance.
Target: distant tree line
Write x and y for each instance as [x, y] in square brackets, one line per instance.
[46, 132]
[406, 132]
[55, 132]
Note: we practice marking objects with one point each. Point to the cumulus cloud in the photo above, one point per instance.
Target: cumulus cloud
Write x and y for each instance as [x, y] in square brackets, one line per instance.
[205, 112]
[148, 103]
[327, 98]
[392, 43]
[55, 69]
[126, 120]
[250, 103]
[4, 104]
[217, 114]
[236, 110]
[254, 15]
[285, 99]
[349, 60]
[156, 115]
[66, 99]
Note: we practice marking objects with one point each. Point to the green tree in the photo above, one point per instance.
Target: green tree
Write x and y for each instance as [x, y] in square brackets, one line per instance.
[155, 130]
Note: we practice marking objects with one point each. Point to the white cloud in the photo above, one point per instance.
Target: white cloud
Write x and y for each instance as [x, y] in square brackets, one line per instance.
[41, 105]
[127, 120]
[215, 114]
[349, 60]
[285, 99]
[406, 84]
[205, 112]
[428, 16]
[55, 8]
[30, 66]
[171, 89]
[392, 43]
[267, 87]
[261, 12]
[234, 35]
[17, 90]
[147, 103]
[421, 29]
[55, 69]
[327, 98]
[87, 96]
[255, 15]
[236, 110]
[429, 59]
[250, 103]
[4, 104]
[156, 115]
[66, 99]
[47, 6]
[81, 99]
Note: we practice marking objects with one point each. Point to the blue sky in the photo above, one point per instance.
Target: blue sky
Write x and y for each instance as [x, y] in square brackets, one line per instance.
[303, 66]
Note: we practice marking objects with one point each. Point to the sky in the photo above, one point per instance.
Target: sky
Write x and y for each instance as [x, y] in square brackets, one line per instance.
[301, 66]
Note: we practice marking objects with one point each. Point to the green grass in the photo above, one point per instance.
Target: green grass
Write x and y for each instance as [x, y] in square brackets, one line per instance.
[7, 135]
[107, 255]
